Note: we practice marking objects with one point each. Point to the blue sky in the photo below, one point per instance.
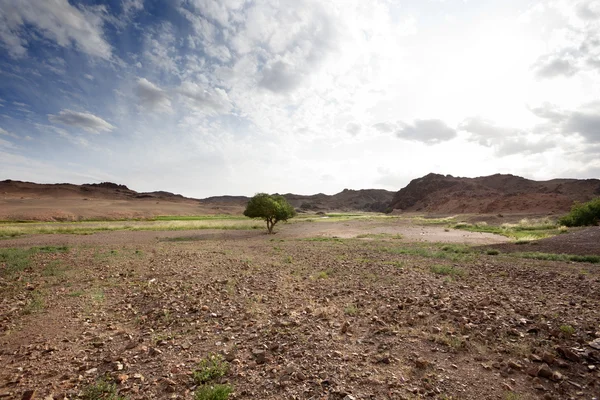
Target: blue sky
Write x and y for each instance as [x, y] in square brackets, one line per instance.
[209, 97]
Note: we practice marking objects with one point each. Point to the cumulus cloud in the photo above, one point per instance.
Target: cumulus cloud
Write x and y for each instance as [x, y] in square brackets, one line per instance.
[132, 6]
[506, 141]
[584, 121]
[86, 121]
[580, 48]
[429, 131]
[205, 98]
[353, 128]
[588, 10]
[152, 97]
[551, 67]
[57, 21]
[7, 133]
[280, 77]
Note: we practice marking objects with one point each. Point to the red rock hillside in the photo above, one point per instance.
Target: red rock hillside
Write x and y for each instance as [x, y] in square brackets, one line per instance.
[435, 193]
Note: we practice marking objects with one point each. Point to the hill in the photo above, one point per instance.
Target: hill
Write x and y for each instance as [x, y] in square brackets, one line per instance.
[435, 193]
[65, 201]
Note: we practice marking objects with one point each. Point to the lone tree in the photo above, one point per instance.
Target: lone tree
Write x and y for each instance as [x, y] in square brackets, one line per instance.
[271, 208]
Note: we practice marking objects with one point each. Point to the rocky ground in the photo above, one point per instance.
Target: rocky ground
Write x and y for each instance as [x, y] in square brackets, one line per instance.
[296, 318]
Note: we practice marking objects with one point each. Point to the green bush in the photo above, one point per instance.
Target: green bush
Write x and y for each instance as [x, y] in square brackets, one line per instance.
[583, 214]
[213, 392]
[210, 368]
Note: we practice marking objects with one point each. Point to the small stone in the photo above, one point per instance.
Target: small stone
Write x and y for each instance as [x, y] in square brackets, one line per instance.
[28, 395]
[568, 354]
[153, 351]
[557, 376]
[260, 356]
[91, 371]
[140, 377]
[346, 327]
[548, 358]
[515, 365]
[595, 344]
[544, 372]
[349, 397]
[118, 366]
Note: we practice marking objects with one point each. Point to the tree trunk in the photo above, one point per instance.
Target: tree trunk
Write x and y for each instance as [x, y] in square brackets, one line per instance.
[270, 224]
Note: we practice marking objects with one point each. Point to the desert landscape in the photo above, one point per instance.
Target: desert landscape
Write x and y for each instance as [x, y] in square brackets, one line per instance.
[465, 289]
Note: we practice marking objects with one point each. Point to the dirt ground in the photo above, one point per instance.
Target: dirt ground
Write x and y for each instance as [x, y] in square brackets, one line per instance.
[324, 310]
[583, 242]
[74, 209]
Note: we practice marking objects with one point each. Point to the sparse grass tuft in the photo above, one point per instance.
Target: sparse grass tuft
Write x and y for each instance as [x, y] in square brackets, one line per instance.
[213, 392]
[568, 330]
[210, 368]
[511, 396]
[324, 239]
[322, 275]
[557, 257]
[448, 270]
[101, 390]
[351, 310]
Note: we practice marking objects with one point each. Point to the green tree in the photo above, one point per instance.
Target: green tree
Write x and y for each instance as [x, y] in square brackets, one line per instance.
[271, 208]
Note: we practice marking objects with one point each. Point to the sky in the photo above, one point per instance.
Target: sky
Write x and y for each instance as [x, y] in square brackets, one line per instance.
[214, 97]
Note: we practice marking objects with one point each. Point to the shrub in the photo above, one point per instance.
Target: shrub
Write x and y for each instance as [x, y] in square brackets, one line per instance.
[583, 214]
[213, 392]
[210, 368]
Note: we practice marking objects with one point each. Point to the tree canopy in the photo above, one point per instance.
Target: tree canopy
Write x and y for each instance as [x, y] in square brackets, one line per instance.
[271, 208]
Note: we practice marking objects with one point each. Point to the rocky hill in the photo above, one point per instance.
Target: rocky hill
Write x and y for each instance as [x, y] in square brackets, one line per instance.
[104, 190]
[376, 200]
[435, 193]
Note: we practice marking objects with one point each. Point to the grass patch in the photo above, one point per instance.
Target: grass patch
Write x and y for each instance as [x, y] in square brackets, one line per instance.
[351, 310]
[322, 275]
[213, 392]
[379, 236]
[557, 257]
[446, 252]
[210, 368]
[87, 228]
[434, 221]
[35, 305]
[101, 390]
[568, 330]
[525, 230]
[15, 260]
[448, 270]
[323, 239]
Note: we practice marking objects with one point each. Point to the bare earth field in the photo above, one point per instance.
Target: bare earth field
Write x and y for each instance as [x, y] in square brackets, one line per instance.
[322, 310]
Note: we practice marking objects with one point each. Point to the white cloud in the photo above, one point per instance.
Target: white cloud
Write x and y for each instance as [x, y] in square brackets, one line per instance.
[204, 98]
[88, 122]
[152, 97]
[55, 20]
[506, 141]
[132, 6]
[429, 131]
[6, 133]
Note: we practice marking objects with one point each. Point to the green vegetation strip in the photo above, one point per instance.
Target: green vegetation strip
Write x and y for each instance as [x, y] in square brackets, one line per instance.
[87, 228]
[13, 260]
[461, 252]
[557, 257]
[525, 230]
